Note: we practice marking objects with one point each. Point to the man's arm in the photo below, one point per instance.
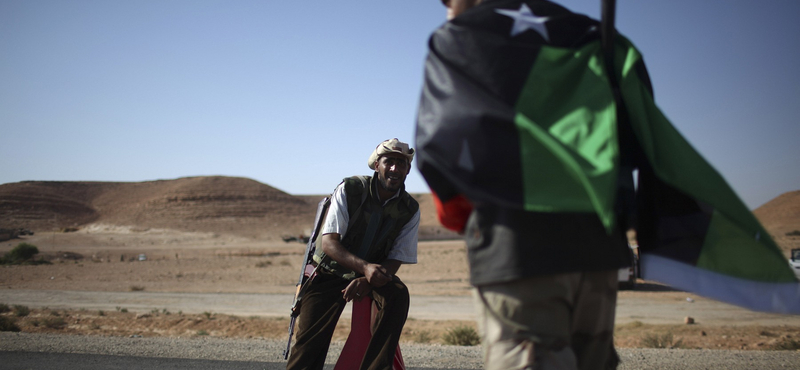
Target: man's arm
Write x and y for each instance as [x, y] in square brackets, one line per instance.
[391, 266]
[360, 287]
[376, 274]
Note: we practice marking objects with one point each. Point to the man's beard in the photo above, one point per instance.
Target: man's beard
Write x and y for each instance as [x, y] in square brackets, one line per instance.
[383, 181]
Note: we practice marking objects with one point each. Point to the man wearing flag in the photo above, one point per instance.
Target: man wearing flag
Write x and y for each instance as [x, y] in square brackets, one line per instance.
[532, 122]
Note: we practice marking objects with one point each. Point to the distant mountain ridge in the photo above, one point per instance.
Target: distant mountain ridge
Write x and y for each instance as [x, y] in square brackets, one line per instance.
[213, 204]
[219, 204]
[234, 205]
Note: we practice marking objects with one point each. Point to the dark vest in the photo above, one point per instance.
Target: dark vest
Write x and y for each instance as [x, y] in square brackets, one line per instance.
[373, 227]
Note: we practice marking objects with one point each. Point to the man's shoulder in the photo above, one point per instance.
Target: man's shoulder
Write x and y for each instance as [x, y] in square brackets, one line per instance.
[409, 201]
[358, 182]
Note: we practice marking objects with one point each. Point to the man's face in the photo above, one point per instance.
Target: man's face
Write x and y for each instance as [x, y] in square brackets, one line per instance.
[456, 7]
[392, 171]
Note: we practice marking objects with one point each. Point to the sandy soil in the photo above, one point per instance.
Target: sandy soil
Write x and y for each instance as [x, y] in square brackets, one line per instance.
[105, 259]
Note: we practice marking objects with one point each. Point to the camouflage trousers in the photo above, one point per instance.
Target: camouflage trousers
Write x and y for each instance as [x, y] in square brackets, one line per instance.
[563, 321]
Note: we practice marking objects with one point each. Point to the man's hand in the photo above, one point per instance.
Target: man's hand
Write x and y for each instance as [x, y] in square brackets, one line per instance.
[377, 275]
[357, 289]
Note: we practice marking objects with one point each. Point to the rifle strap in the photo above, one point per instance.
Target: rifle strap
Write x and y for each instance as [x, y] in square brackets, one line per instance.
[364, 193]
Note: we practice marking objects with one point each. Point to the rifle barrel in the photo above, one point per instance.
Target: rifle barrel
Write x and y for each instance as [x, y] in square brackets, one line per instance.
[289, 343]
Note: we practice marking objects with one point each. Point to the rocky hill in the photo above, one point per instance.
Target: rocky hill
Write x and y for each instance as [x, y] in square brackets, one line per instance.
[236, 206]
[208, 204]
[781, 217]
[228, 205]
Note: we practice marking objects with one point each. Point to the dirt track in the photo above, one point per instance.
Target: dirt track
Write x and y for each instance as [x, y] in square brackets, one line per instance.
[191, 272]
[196, 273]
[238, 304]
[664, 308]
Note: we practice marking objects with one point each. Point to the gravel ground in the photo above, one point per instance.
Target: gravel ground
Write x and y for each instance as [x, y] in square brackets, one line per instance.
[267, 353]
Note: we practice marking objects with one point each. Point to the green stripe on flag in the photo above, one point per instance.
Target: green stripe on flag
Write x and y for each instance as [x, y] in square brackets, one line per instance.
[729, 250]
[568, 146]
[736, 244]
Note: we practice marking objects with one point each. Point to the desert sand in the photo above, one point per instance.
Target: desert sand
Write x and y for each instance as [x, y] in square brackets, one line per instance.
[219, 236]
[96, 259]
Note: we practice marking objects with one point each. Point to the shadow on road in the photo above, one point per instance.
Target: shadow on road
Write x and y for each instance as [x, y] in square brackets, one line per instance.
[649, 286]
[39, 360]
[42, 360]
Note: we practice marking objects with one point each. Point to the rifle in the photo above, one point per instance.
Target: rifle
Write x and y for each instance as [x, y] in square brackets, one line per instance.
[307, 273]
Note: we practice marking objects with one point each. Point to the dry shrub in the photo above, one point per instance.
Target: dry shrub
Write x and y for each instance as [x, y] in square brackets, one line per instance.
[23, 253]
[461, 335]
[665, 340]
[787, 344]
[21, 311]
[423, 337]
[54, 322]
[8, 324]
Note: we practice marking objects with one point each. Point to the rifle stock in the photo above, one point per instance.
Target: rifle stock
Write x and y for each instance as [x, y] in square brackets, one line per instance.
[306, 274]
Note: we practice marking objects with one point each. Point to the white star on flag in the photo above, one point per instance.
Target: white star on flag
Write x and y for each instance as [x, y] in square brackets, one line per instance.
[524, 20]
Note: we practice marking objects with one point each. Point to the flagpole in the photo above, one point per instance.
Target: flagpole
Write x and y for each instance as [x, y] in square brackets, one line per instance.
[607, 33]
[626, 193]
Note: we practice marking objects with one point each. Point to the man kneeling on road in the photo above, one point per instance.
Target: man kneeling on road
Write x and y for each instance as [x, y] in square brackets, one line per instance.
[370, 230]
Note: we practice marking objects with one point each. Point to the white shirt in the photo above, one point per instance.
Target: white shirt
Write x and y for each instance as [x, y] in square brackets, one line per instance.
[405, 246]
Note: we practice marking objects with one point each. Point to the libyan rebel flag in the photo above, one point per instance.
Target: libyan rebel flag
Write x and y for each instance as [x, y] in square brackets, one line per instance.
[518, 111]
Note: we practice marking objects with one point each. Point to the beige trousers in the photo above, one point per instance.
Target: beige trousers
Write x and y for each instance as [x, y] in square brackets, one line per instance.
[563, 321]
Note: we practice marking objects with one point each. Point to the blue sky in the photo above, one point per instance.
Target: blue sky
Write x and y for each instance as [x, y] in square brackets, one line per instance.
[297, 94]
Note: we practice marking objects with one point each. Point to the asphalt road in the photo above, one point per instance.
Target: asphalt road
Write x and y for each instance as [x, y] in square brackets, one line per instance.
[34, 360]
[41, 351]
